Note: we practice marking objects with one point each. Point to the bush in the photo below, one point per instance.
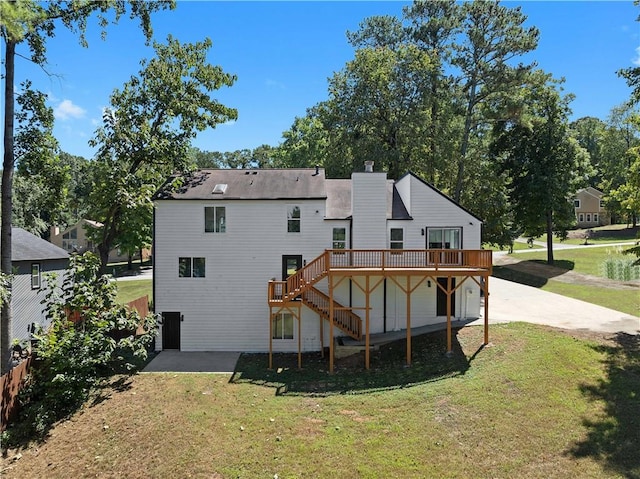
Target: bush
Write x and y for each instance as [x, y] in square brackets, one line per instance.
[620, 268]
[79, 351]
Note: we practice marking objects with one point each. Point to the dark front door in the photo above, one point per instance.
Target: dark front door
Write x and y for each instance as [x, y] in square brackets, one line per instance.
[441, 298]
[171, 330]
[290, 264]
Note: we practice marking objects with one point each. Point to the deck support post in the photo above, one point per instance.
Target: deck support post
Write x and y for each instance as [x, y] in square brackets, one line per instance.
[330, 323]
[486, 310]
[299, 336]
[408, 290]
[270, 337]
[321, 338]
[449, 347]
[367, 316]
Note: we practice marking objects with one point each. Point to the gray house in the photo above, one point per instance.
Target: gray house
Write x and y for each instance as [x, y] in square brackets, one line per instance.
[31, 257]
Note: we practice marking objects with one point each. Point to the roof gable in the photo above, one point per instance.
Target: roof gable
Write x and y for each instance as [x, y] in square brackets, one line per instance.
[436, 190]
[28, 247]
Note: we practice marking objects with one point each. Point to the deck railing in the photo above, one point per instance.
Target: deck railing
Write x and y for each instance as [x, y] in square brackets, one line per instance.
[437, 259]
[384, 260]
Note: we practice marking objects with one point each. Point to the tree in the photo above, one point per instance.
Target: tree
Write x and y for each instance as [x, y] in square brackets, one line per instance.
[544, 164]
[493, 37]
[91, 336]
[147, 132]
[32, 22]
[41, 179]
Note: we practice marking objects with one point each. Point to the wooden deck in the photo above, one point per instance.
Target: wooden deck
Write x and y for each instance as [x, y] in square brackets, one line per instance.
[367, 269]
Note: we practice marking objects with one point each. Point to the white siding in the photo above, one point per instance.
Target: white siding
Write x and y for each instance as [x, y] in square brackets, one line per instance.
[369, 210]
[227, 310]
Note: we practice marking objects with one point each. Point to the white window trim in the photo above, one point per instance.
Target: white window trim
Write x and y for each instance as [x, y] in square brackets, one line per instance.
[299, 220]
[38, 277]
[215, 219]
[334, 241]
[293, 327]
[392, 241]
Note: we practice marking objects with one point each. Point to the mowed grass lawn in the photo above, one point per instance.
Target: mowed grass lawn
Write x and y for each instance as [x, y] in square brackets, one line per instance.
[134, 289]
[580, 260]
[537, 403]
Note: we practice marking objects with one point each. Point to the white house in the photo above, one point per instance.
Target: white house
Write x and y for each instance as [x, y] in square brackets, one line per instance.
[262, 260]
[31, 258]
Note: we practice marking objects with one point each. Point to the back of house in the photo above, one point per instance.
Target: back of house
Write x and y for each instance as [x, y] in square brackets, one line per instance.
[220, 237]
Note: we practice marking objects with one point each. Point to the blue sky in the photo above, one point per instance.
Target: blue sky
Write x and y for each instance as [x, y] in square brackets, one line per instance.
[283, 53]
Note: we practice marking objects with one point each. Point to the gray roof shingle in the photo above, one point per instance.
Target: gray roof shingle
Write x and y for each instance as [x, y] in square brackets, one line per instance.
[28, 247]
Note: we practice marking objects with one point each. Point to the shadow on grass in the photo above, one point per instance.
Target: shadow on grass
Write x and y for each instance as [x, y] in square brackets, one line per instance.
[388, 369]
[534, 273]
[614, 438]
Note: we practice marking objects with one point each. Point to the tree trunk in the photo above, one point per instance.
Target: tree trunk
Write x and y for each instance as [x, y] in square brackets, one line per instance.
[129, 261]
[103, 251]
[464, 145]
[7, 203]
[550, 237]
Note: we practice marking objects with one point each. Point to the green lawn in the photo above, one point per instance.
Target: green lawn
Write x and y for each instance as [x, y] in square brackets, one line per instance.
[585, 260]
[602, 235]
[625, 301]
[535, 404]
[130, 290]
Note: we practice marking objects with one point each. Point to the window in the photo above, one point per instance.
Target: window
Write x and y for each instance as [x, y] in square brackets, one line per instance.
[191, 267]
[601, 203]
[595, 217]
[215, 218]
[73, 234]
[581, 217]
[576, 203]
[36, 279]
[283, 326]
[588, 217]
[293, 219]
[396, 238]
[444, 238]
[339, 238]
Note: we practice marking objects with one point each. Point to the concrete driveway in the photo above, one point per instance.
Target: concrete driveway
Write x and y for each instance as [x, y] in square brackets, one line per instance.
[510, 301]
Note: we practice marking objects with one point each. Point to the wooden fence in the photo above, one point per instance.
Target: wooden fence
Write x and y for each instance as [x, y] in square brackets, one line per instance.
[11, 383]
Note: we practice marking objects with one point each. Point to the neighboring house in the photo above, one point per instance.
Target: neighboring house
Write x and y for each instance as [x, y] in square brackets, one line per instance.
[258, 260]
[589, 208]
[74, 239]
[31, 258]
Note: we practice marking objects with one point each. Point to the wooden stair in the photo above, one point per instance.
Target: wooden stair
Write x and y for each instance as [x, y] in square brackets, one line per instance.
[301, 285]
[343, 318]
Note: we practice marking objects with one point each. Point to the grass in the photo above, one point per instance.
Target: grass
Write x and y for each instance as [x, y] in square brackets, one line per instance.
[601, 235]
[586, 261]
[537, 403]
[619, 300]
[133, 289]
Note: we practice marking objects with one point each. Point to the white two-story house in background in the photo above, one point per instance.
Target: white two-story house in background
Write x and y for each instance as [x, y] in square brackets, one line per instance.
[287, 260]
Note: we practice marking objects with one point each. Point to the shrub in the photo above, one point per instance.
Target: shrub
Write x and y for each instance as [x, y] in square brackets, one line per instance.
[620, 268]
[78, 350]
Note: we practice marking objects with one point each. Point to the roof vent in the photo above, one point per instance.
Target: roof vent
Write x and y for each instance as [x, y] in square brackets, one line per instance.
[368, 166]
[219, 189]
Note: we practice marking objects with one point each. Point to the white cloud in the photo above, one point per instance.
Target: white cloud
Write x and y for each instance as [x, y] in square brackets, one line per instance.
[67, 110]
[636, 60]
[275, 84]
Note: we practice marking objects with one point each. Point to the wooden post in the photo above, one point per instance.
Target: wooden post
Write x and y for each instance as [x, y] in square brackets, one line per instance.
[367, 315]
[299, 336]
[449, 347]
[408, 291]
[486, 309]
[321, 337]
[330, 323]
[270, 337]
